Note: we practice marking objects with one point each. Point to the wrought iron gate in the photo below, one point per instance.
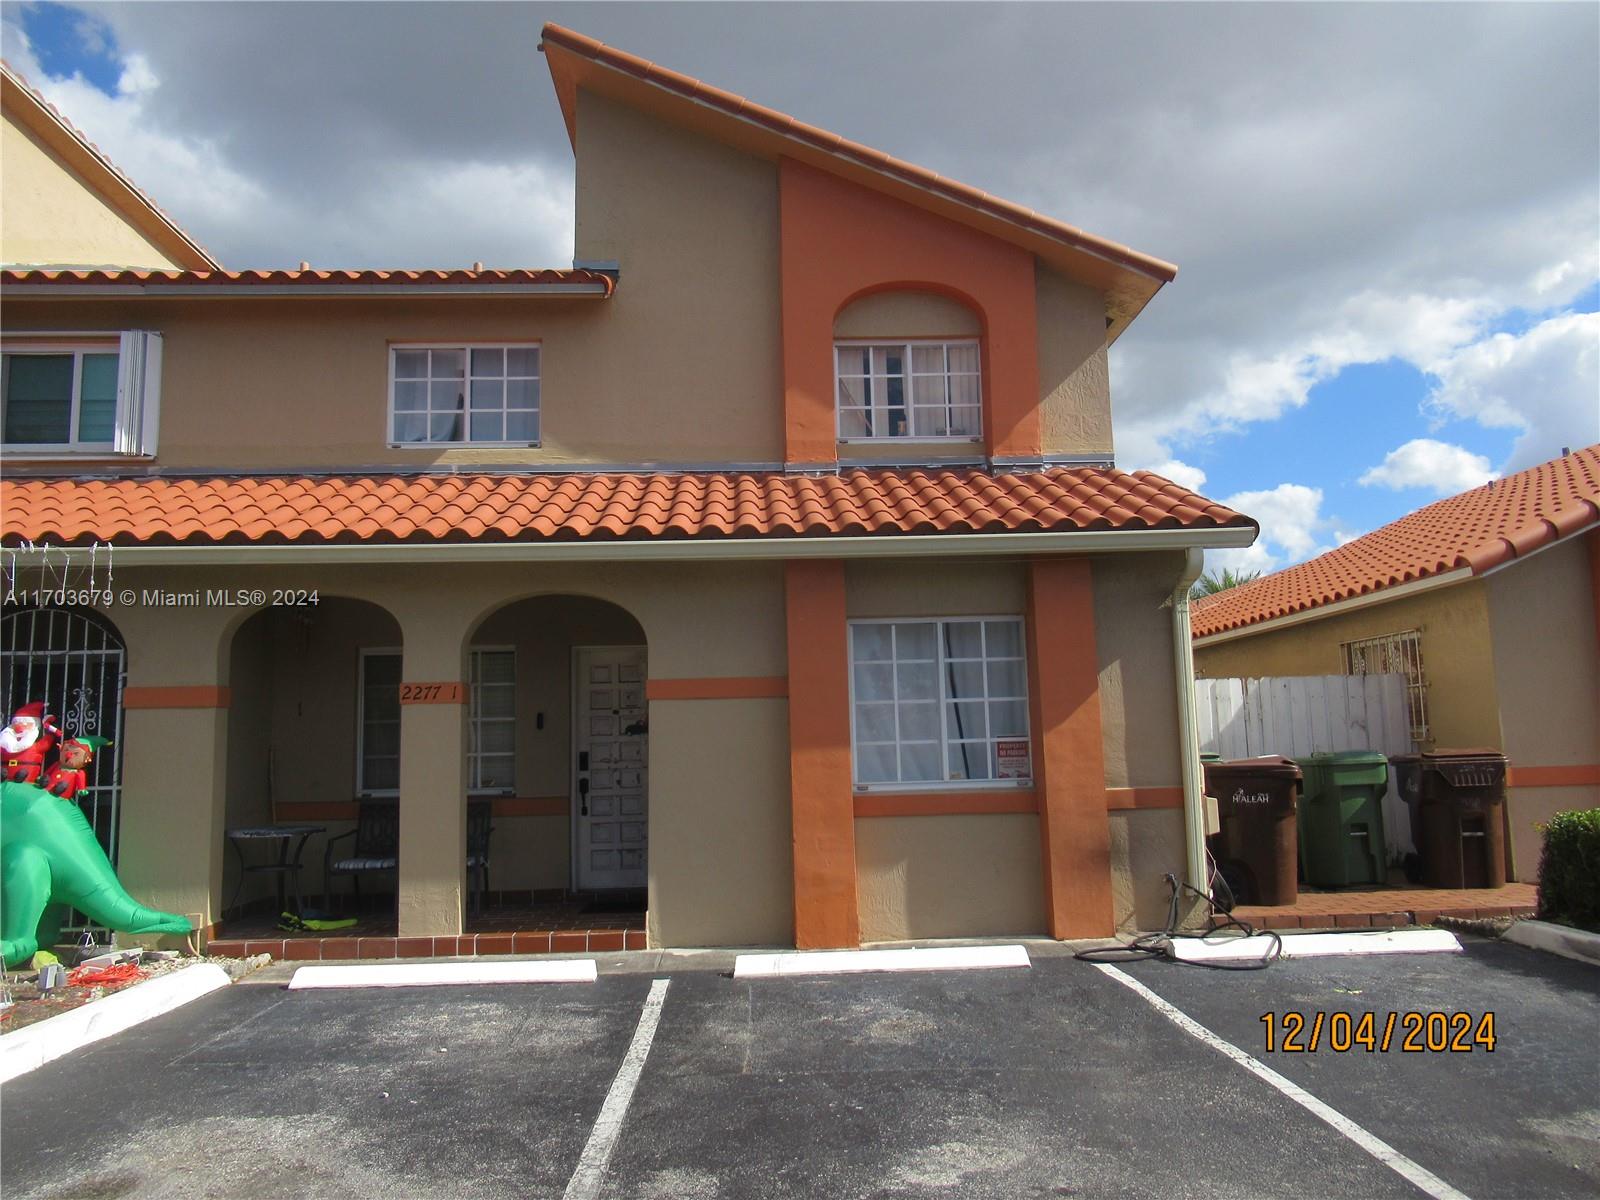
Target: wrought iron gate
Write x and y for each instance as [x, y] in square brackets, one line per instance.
[74, 661]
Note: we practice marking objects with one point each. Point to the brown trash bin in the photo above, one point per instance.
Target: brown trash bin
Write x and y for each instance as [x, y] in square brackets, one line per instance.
[1459, 820]
[1256, 847]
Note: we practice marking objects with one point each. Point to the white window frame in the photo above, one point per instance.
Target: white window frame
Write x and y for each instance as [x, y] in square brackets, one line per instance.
[910, 374]
[395, 348]
[944, 702]
[367, 652]
[1393, 647]
[475, 719]
[138, 404]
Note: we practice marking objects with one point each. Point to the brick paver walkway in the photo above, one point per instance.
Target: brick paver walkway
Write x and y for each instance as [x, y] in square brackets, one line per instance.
[1366, 908]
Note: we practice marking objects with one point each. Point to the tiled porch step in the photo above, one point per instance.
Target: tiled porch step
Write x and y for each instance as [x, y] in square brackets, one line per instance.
[556, 941]
[1275, 918]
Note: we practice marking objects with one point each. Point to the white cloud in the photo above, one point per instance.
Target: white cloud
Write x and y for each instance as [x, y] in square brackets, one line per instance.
[1291, 519]
[419, 210]
[1439, 466]
[1545, 382]
[1182, 474]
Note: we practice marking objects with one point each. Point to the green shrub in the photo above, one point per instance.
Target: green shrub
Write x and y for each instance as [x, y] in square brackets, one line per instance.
[1569, 869]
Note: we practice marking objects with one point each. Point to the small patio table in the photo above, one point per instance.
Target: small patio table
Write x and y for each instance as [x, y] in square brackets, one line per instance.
[286, 866]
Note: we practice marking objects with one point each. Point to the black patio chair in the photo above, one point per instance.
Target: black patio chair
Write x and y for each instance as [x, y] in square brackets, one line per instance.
[377, 847]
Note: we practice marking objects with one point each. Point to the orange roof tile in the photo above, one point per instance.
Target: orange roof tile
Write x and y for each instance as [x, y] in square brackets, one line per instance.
[32, 103]
[1477, 530]
[95, 278]
[499, 508]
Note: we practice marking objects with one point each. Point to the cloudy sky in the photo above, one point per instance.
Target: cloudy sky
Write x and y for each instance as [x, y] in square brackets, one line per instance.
[1386, 216]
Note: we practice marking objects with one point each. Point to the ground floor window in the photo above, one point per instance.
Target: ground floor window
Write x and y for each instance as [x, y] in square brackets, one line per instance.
[939, 701]
[1394, 654]
[491, 722]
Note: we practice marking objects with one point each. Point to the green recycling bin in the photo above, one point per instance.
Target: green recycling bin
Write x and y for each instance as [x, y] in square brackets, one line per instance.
[1341, 818]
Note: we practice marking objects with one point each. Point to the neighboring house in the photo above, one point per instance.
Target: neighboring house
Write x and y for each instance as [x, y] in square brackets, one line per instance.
[67, 205]
[1489, 604]
[771, 559]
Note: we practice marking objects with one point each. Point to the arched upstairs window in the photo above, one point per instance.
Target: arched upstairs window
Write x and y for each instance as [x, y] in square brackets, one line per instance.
[908, 365]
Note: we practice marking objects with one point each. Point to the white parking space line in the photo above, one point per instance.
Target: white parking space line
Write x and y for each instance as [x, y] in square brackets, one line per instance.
[846, 962]
[591, 1170]
[1372, 1144]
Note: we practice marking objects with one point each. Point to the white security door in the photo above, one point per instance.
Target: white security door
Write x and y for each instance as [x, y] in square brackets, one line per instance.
[612, 767]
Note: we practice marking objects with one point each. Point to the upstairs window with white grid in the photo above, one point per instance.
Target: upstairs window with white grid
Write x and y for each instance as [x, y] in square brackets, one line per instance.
[922, 390]
[939, 702]
[1394, 654]
[464, 395]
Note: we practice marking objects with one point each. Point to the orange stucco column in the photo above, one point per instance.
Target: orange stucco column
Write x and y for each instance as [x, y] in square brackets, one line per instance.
[822, 807]
[1069, 767]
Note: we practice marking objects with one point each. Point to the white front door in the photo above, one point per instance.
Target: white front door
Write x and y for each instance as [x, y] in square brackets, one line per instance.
[612, 767]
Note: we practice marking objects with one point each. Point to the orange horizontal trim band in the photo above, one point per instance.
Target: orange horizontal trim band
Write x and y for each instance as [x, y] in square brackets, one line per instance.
[175, 697]
[730, 687]
[348, 810]
[1579, 775]
[945, 804]
[1145, 797]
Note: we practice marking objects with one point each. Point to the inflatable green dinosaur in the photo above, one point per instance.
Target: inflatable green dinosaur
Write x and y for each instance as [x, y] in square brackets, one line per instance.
[50, 861]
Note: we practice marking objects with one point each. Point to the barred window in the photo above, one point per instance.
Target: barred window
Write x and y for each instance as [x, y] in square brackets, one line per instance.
[1394, 654]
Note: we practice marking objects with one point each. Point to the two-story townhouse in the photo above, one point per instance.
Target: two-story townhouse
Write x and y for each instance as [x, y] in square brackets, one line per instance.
[771, 560]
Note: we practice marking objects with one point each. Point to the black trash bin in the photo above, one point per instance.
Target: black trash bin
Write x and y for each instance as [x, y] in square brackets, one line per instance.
[1257, 846]
[1459, 818]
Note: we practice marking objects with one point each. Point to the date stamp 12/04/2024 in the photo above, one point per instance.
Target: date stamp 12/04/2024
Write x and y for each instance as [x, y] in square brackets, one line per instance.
[1378, 1033]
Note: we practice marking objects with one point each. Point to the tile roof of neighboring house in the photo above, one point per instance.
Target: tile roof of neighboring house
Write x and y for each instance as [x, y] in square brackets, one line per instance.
[458, 508]
[837, 149]
[90, 279]
[33, 106]
[1477, 530]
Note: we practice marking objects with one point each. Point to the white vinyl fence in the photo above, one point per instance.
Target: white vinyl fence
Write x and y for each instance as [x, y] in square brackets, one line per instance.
[1297, 715]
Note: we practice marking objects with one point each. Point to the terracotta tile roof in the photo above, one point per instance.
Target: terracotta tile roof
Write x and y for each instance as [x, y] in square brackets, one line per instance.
[32, 98]
[497, 508]
[1477, 530]
[90, 278]
[822, 139]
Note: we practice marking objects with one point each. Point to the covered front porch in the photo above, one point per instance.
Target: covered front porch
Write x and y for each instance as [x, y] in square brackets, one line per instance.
[613, 813]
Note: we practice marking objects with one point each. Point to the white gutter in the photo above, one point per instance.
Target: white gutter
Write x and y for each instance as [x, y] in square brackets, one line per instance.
[1381, 596]
[1114, 541]
[1194, 804]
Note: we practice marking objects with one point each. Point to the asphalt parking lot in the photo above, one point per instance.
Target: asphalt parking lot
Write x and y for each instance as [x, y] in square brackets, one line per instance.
[1052, 1081]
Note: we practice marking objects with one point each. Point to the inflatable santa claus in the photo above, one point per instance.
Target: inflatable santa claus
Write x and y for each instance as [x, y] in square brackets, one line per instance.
[69, 774]
[26, 743]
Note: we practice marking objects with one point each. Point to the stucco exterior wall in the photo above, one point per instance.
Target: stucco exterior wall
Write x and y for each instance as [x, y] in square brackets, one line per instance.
[1456, 656]
[906, 314]
[1547, 670]
[1145, 846]
[53, 216]
[694, 326]
[1138, 689]
[994, 884]
[1074, 383]
[955, 876]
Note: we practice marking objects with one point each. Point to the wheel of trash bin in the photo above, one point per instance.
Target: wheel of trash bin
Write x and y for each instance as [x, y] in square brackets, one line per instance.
[1239, 880]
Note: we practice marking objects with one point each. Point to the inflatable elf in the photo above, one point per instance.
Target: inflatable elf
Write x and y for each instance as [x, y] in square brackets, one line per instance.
[69, 775]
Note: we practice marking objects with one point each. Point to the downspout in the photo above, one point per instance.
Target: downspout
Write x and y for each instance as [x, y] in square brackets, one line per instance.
[1194, 804]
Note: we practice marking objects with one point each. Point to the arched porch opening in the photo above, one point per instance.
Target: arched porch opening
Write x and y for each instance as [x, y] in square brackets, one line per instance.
[313, 731]
[558, 741]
